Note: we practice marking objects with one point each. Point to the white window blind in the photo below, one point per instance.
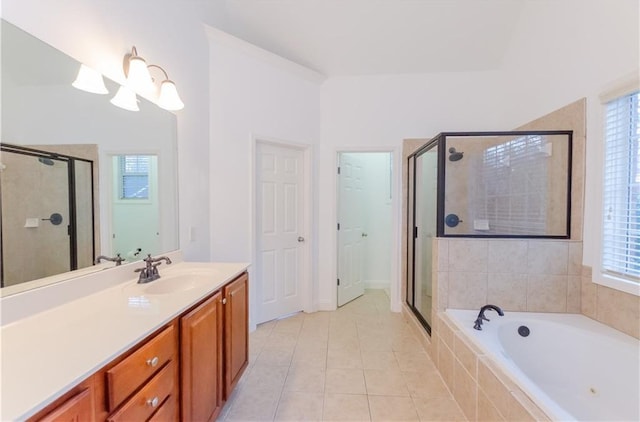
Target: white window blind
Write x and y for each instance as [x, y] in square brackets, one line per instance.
[510, 187]
[621, 196]
[134, 176]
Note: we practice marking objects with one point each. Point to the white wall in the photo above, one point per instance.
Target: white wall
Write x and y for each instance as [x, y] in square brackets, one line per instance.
[254, 95]
[563, 51]
[376, 113]
[166, 32]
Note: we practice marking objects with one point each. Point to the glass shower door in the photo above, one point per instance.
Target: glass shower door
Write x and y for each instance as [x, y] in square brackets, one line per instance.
[422, 209]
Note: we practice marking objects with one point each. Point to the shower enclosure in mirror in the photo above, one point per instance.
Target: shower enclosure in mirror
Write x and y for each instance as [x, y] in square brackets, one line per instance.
[483, 184]
[46, 214]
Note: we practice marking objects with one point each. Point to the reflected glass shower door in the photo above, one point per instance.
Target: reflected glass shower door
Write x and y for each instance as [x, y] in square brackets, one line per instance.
[35, 216]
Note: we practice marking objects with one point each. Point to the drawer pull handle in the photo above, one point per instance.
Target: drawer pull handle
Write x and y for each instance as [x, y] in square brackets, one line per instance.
[153, 362]
[224, 301]
[153, 402]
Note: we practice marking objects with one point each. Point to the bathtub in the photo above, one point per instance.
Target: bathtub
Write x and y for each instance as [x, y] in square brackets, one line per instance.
[571, 366]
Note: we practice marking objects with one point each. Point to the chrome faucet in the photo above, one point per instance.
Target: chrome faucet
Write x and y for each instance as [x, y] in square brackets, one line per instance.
[481, 317]
[117, 259]
[150, 271]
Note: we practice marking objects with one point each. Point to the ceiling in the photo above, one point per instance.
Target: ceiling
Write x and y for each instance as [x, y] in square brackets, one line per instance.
[359, 37]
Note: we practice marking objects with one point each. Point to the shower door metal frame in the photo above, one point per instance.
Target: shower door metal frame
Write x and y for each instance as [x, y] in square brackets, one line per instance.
[412, 232]
[71, 175]
[441, 140]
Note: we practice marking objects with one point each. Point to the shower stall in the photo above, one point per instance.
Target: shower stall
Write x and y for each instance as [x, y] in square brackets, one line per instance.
[483, 185]
[46, 214]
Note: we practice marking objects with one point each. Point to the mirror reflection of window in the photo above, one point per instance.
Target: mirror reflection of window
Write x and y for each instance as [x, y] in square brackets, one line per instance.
[133, 176]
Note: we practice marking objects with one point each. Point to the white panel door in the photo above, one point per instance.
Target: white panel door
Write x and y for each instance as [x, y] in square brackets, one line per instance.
[280, 260]
[350, 232]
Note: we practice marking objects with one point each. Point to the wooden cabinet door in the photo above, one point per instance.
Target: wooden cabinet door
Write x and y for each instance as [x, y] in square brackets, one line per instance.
[201, 353]
[236, 330]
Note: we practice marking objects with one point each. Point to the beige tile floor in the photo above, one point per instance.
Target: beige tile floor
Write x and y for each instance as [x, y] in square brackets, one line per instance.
[359, 363]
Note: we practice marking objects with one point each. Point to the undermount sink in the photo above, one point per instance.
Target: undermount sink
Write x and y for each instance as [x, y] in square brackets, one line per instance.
[177, 282]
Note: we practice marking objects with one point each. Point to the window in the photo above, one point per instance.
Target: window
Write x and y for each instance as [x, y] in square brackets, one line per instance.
[510, 189]
[134, 176]
[621, 190]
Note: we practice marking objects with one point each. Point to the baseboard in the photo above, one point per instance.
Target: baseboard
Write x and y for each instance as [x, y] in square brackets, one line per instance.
[326, 306]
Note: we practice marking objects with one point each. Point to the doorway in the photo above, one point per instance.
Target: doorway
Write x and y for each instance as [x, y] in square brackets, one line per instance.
[364, 213]
[135, 206]
[281, 230]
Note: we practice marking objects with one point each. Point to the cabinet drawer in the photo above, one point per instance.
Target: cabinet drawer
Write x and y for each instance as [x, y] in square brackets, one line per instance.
[124, 378]
[77, 408]
[146, 401]
[168, 411]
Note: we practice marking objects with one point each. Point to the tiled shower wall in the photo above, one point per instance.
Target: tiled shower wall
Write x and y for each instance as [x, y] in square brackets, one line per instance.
[517, 275]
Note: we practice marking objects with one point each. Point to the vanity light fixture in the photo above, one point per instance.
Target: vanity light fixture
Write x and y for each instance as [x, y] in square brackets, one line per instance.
[137, 73]
[139, 80]
[168, 97]
[126, 98]
[90, 80]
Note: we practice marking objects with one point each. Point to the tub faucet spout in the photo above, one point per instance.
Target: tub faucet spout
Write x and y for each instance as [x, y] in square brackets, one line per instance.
[481, 317]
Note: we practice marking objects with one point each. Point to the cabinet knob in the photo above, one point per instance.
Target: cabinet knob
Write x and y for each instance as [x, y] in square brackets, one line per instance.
[153, 402]
[153, 362]
[224, 300]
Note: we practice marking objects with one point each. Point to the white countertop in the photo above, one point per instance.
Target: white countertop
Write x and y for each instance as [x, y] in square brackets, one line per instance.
[45, 354]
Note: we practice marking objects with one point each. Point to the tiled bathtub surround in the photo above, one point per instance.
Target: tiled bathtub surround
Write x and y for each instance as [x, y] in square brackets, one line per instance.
[481, 389]
[517, 275]
[614, 308]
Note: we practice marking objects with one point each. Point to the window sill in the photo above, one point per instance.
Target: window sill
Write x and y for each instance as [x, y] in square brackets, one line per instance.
[617, 283]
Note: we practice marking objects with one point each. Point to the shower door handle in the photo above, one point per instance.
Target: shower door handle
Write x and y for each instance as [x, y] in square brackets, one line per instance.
[55, 219]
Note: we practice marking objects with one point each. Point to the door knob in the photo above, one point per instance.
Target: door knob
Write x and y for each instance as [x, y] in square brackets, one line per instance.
[300, 239]
[364, 235]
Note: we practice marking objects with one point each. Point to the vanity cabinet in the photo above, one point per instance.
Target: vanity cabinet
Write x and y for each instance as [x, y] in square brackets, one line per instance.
[183, 371]
[236, 330]
[201, 352]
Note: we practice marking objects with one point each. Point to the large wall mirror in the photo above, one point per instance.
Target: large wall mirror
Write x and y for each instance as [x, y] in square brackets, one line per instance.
[79, 177]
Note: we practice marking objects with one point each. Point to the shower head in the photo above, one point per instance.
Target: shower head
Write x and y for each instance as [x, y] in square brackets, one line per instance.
[455, 155]
[46, 161]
